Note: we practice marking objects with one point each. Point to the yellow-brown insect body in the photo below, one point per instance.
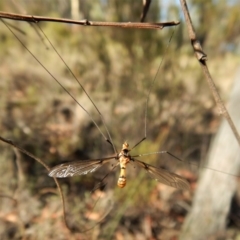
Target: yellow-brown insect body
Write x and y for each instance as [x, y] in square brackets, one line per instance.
[124, 159]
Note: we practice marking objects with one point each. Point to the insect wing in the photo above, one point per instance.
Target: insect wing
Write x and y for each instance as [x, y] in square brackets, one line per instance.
[75, 168]
[163, 176]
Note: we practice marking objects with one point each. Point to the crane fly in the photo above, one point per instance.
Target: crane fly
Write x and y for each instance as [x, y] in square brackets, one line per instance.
[75, 168]
[123, 158]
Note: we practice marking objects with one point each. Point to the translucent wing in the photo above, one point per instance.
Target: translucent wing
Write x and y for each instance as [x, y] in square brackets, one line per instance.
[163, 176]
[81, 167]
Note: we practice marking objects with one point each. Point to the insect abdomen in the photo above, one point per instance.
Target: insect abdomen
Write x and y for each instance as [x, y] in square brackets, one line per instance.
[122, 178]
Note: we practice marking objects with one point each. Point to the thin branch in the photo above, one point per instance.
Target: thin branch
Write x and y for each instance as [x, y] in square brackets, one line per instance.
[85, 22]
[202, 58]
[46, 166]
[10, 198]
[146, 5]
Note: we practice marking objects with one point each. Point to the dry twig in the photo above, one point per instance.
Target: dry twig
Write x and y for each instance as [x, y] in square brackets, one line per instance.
[85, 22]
[45, 166]
[202, 58]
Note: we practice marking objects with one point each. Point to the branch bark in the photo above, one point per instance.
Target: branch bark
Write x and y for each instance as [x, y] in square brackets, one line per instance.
[215, 190]
[202, 58]
[85, 22]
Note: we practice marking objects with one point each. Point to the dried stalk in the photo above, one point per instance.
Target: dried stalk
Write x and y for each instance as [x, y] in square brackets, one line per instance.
[202, 58]
[85, 22]
[146, 5]
[214, 194]
[43, 164]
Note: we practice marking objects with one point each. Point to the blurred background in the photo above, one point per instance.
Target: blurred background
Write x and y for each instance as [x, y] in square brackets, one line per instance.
[116, 67]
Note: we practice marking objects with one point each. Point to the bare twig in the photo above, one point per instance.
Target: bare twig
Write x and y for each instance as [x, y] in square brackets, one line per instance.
[10, 198]
[202, 58]
[46, 166]
[85, 22]
[146, 5]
